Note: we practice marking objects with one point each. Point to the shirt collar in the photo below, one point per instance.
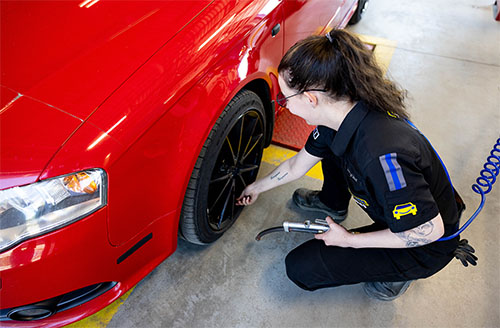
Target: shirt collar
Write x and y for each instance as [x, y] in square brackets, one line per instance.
[348, 127]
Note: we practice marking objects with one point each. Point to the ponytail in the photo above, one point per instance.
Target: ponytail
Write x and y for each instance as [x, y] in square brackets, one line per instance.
[341, 64]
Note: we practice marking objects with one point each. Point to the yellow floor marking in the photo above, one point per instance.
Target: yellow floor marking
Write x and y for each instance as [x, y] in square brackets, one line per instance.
[102, 318]
[383, 48]
[273, 155]
[383, 51]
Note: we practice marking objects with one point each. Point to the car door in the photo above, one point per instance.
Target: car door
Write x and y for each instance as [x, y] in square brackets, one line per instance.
[306, 17]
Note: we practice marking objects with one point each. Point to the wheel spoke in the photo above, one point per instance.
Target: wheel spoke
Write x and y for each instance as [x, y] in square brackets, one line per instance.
[219, 196]
[221, 178]
[255, 144]
[242, 181]
[250, 138]
[231, 149]
[233, 200]
[225, 205]
[242, 124]
[248, 168]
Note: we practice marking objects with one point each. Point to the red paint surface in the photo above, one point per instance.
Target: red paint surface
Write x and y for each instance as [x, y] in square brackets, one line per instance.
[134, 88]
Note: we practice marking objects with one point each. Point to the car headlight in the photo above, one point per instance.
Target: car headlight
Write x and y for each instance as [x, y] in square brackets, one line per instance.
[44, 206]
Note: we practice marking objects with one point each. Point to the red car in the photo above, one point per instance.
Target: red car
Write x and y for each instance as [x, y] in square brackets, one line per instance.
[124, 124]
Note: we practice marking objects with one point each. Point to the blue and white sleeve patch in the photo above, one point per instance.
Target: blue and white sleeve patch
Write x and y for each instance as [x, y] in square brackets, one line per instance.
[393, 172]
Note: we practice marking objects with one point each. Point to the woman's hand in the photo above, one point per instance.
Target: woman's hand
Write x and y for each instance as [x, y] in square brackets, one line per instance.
[336, 236]
[248, 196]
[290, 170]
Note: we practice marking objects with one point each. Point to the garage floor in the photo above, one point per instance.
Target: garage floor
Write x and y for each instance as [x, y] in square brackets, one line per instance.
[447, 55]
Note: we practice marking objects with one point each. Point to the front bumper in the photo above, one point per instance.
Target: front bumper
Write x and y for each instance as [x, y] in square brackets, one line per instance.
[76, 257]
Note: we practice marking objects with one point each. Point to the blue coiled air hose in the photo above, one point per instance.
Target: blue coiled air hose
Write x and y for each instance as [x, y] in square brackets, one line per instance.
[484, 183]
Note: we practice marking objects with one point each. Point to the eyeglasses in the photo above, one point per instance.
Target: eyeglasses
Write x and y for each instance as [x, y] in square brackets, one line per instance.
[282, 100]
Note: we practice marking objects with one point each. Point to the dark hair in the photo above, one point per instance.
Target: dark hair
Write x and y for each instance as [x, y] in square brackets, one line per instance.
[344, 66]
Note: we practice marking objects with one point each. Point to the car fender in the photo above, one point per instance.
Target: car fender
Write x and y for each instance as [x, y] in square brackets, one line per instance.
[150, 179]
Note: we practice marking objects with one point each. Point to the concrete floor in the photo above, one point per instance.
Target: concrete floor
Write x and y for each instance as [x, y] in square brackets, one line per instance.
[448, 58]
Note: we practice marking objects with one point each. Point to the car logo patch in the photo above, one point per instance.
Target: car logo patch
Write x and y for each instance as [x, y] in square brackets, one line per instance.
[360, 201]
[404, 209]
[391, 114]
[315, 133]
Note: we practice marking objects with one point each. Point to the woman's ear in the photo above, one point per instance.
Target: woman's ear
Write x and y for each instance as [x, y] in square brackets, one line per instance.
[313, 99]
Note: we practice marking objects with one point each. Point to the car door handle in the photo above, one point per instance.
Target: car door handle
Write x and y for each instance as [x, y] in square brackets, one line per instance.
[275, 29]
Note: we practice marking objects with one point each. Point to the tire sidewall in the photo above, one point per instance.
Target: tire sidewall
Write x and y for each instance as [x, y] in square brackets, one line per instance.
[242, 103]
[358, 14]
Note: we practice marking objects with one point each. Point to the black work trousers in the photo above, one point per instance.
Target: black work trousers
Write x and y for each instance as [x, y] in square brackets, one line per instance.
[314, 265]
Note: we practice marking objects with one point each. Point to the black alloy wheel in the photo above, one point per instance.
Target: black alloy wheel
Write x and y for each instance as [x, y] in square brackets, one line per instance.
[358, 14]
[228, 162]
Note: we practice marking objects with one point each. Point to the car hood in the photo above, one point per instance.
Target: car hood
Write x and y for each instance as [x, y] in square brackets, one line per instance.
[31, 132]
[74, 54]
[61, 60]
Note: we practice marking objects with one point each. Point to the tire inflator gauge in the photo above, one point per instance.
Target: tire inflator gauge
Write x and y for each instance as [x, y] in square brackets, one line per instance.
[317, 226]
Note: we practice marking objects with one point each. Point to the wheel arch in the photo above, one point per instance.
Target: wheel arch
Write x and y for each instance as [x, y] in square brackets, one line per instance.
[194, 226]
[261, 88]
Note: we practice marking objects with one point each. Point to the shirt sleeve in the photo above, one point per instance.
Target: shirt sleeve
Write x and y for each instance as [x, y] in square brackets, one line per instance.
[319, 141]
[401, 190]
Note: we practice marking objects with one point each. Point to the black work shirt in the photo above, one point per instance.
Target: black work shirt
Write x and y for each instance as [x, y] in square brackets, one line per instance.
[392, 171]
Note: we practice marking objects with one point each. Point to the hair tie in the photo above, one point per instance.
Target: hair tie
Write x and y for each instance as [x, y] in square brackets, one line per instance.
[329, 37]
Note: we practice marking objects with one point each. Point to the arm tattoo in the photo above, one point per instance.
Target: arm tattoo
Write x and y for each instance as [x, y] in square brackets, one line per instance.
[417, 236]
[277, 175]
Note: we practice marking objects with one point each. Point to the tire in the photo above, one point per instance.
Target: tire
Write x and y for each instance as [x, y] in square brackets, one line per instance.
[228, 162]
[358, 14]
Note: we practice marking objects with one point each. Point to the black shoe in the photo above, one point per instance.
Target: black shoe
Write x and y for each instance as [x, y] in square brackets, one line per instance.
[308, 200]
[386, 291]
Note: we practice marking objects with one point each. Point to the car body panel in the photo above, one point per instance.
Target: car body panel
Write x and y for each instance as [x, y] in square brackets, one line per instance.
[70, 45]
[27, 146]
[299, 23]
[130, 115]
[136, 96]
[84, 259]
[7, 97]
[169, 79]
[89, 147]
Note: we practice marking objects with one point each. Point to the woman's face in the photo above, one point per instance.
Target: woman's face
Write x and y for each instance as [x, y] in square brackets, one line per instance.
[299, 105]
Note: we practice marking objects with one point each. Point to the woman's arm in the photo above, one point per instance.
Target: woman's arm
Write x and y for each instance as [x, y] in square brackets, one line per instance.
[425, 233]
[288, 171]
